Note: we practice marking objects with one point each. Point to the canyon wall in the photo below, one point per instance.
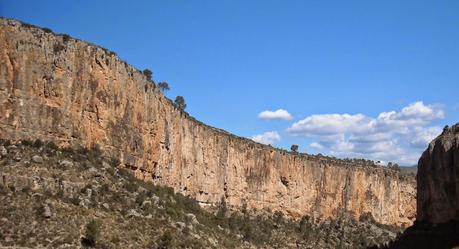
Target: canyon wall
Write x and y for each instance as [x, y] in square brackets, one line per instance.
[57, 88]
[438, 179]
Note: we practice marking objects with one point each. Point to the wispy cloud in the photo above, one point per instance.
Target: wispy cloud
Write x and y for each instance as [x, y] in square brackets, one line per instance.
[279, 114]
[397, 136]
[269, 137]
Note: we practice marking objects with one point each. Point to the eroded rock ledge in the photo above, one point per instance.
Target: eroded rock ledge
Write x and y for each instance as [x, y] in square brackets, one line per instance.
[57, 88]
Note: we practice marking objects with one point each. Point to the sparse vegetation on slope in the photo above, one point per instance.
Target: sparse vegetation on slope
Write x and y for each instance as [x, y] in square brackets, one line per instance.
[74, 197]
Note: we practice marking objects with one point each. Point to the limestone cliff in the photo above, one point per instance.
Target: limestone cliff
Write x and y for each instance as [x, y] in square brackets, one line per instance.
[54, 87]
[438, 179]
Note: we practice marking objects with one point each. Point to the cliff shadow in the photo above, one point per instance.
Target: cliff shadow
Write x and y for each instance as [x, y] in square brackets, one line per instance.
[426, 236]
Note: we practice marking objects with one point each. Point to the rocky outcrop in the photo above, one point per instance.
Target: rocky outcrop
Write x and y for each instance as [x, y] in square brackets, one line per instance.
[54, 87]
[438, 179]
[437, 219]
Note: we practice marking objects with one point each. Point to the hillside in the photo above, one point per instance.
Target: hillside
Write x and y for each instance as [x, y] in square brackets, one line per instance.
[74, 197]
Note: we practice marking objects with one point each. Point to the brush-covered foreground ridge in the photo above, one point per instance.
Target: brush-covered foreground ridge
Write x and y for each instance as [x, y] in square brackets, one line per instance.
[77, 197]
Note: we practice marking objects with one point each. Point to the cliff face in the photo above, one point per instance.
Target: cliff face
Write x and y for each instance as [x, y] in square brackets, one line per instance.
[438, 179]
[61, 89]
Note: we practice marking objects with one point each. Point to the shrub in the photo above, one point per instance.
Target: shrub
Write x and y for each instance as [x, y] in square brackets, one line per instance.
[58, 48]
[92, 234]
[180, 102]
[68, 150]
[130, 186]
[47, 30]
[278, 217]
[5, 142]
[294, 148]
[247, 231]
[38, 143]
[166, 240]
[65, 38]
[367, 217]
[75, 201]
[163, 86]
[172, 212]
[26, 142]
[40, 210]
[140, 198]
[114, 162]
[222, 209]
[94, 154]
[148, 73]
[52, 146]
[304, 225]
[187, 203]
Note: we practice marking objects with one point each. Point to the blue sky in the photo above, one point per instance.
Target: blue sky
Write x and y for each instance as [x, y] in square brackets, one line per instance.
[337, 67]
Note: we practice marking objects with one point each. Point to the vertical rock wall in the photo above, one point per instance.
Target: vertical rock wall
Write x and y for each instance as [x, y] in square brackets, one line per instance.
[57, 88]
[438, 179]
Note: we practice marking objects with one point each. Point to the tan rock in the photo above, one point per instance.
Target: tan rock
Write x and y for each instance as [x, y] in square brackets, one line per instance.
[72, 92]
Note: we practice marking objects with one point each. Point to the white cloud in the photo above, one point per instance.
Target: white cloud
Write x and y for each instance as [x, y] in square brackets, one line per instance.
[398, 136]
[425, 136]
[327, 124]
[316, 145]
[277, 114]
[269, 137]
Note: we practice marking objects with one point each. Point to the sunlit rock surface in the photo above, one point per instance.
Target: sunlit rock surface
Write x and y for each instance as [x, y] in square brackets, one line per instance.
[54, 87]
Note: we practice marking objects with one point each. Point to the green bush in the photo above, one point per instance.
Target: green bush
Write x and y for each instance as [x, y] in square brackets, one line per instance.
[38, 143]
[222, 209]
[47, 30]
[92, 234]
[148, 73]
[166, 240]
[26, 142]
[180, 102]
[140, 198]
[51, 146]
[65, 38]
[130, 186]
[188, 203]
[114, 162]
[58, 48]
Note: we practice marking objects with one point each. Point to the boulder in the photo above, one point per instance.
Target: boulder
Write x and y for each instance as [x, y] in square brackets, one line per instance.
[3, 151]
[37, 159]
[47, 211]
[191, 219]
[66, 163]
[133, 213]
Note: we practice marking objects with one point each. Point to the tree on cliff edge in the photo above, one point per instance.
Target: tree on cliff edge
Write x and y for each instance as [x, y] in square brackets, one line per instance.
[148, 73]
[294, 148]
[180, 102]
[163, 86]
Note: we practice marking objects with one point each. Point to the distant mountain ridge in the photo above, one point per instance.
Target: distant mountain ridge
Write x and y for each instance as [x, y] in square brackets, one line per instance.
[409, 169]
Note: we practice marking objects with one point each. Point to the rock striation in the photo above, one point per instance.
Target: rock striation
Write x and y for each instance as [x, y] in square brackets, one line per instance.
[53, 87]
[438, 179]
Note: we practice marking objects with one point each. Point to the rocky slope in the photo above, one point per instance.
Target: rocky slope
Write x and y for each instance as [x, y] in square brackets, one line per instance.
[59, 89]
[75, 197]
